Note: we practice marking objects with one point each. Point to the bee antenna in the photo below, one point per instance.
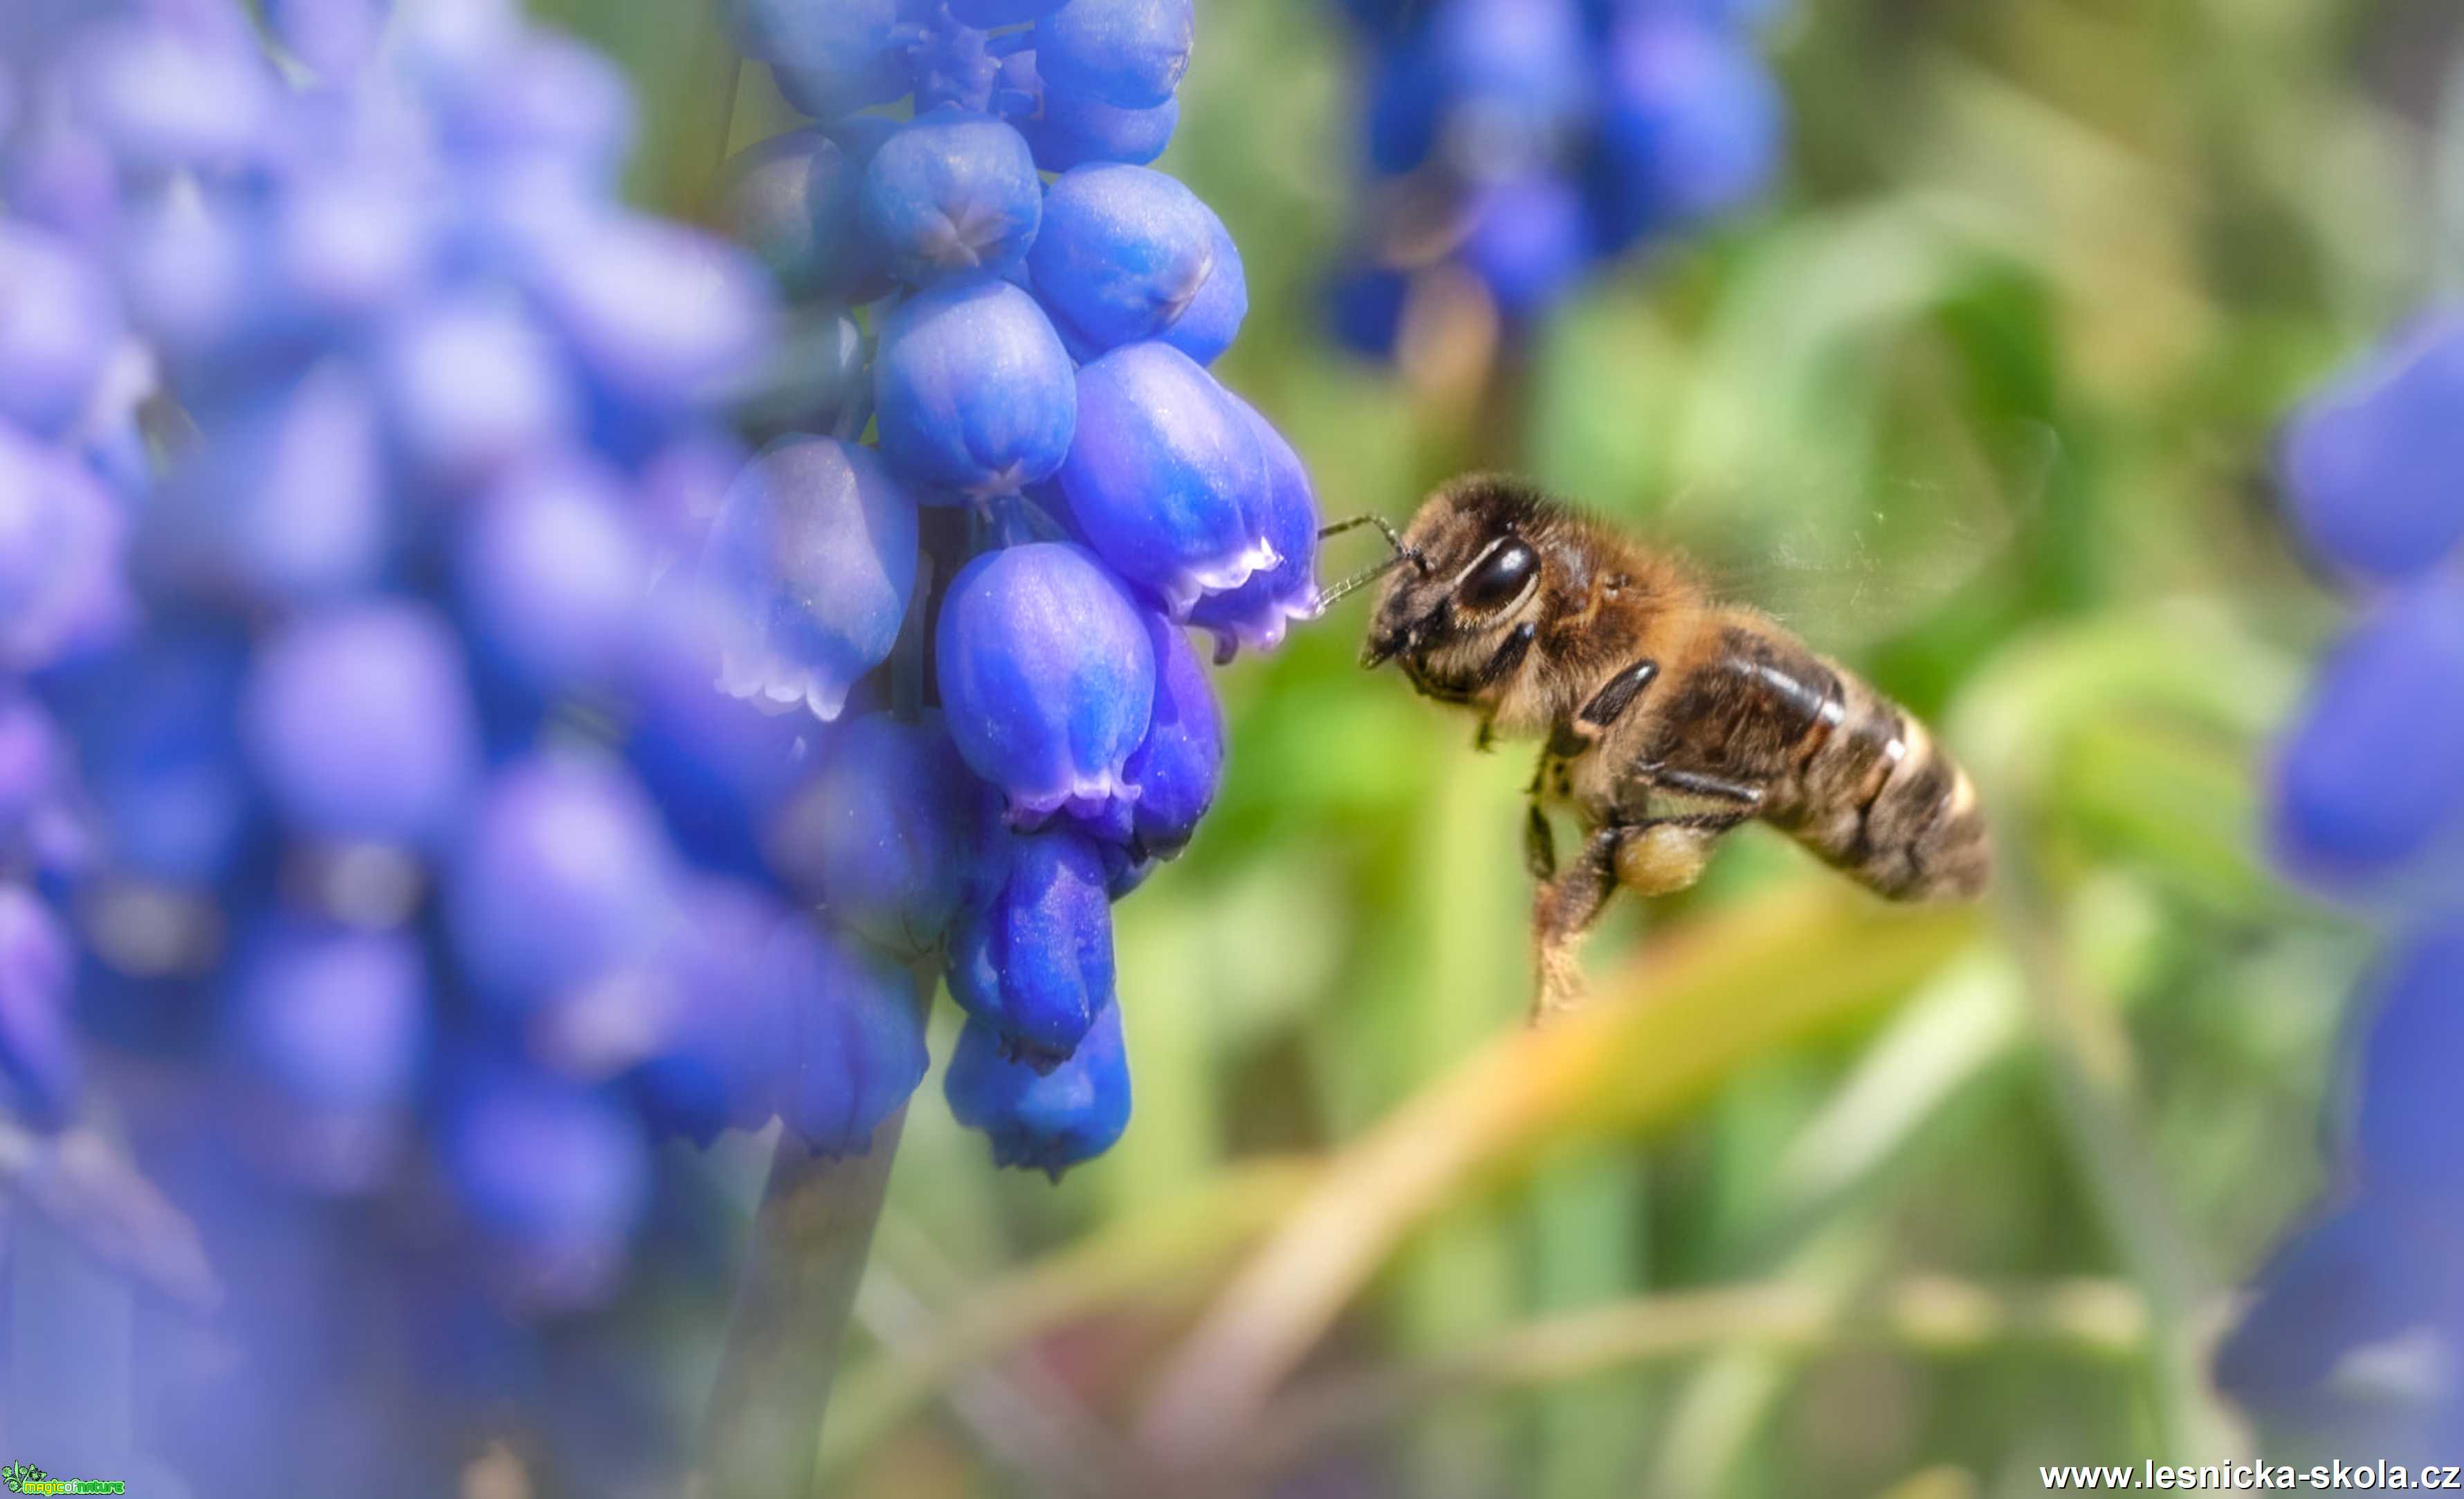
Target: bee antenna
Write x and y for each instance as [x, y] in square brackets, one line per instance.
[1367, 576]
[1326, 597]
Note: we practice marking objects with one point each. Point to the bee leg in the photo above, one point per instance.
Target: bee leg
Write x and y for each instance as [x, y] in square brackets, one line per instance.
[1666, 855]
[1562, 911]
[1718, 788]
[1539, 845]
[1485, 737]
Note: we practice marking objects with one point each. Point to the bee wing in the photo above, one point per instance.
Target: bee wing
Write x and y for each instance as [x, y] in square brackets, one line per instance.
[1848, 566]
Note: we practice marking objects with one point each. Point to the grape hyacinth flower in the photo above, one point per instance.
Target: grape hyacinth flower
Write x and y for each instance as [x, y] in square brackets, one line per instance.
[1514, 145]
[1047, 675]
[1256, 613]
[2369, 805]
[1032, 957]
[1166, 477]
[1042, 1120]
[973, 390]
[1176, 768]
[951, 191]
[1037, 354]
[1123, 253]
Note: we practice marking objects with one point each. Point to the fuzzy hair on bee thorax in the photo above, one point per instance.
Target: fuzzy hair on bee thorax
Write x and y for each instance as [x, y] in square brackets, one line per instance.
[1522, 654]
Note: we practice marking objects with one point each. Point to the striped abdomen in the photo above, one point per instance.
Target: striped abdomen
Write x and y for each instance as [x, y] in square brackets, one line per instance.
[1877, 799]
[1829, 761]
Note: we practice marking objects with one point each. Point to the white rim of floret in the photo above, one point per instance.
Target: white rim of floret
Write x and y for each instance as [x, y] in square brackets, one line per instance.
[770, 685]
[1182, 587]
[1082, 797]
[1263, 628]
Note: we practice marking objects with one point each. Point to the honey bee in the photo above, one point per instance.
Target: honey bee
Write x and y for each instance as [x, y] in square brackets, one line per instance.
[1668, 718]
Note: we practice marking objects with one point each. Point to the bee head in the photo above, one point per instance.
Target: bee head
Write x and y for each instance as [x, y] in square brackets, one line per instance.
[1451, 619]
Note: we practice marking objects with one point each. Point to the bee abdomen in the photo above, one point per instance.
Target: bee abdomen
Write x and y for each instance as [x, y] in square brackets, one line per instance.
[1881, 802]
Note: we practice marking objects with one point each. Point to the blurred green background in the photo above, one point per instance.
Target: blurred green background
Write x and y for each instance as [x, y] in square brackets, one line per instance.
[1819, 1199]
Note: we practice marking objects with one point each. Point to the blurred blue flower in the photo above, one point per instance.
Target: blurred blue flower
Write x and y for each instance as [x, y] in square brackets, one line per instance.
[809, 565]
[61, 542]
[1692, 126]
[360, 726]
[294, 503]
[2369, 800]
[853, 1039]
[333, 1016]
[554, 1175]
[1502, 80]
[2378, 1269]
[2408, 1133]
[724, 999]
[552, 571]
[470, 387]
[1528, 142]
[2365, 1273]
[334, 38]
[39, 1070]
[1529, 238]
[59, 326]
[165, 95]
[2371, 776]
[157, 729]
[1001, 13]
[562, 877]
[660, 319]
[885, 838]
[2373, 463]
[328, 1027]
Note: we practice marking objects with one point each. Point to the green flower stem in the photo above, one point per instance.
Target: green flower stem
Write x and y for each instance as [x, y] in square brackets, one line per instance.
[810, 1241]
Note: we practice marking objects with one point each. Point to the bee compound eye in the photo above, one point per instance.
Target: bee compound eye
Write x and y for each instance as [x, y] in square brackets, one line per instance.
[1499, 577]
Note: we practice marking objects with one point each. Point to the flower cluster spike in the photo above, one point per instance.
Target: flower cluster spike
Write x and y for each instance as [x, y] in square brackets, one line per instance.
[1021, 311]
[2367, 805]
[1515, 144]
